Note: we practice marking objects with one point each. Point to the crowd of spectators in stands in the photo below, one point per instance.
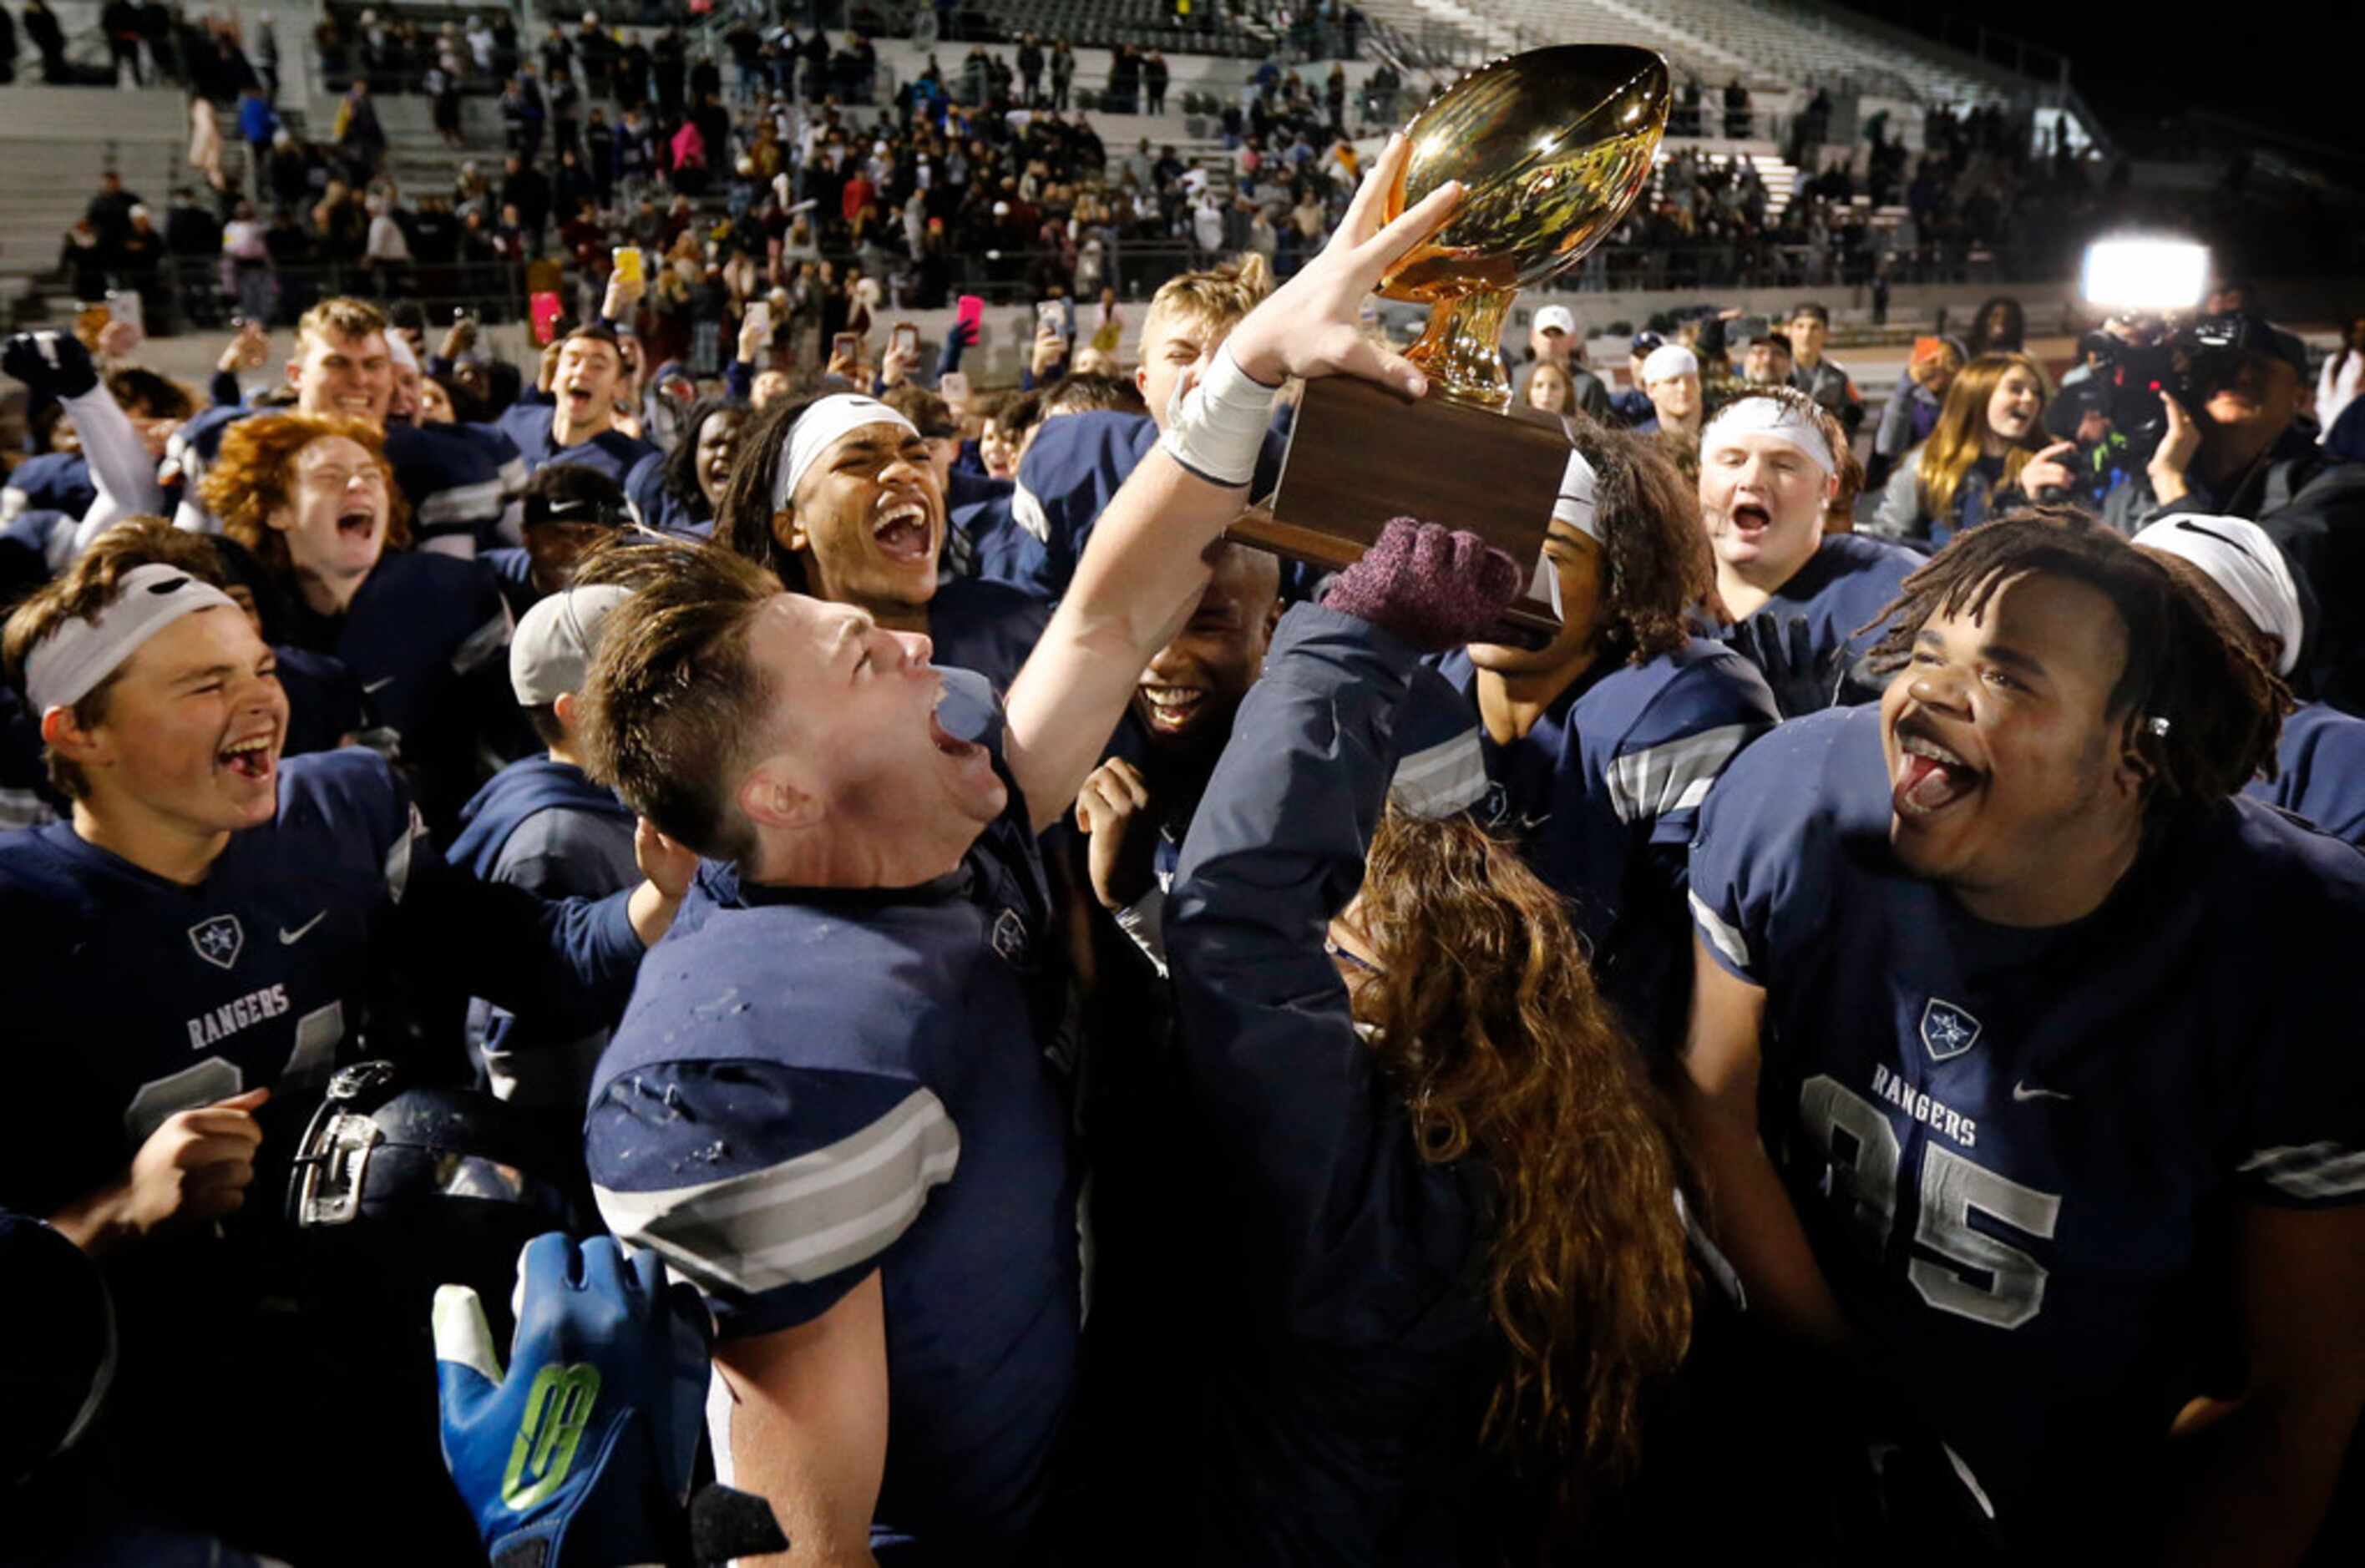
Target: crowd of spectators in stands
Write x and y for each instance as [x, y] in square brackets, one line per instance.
[784, 161]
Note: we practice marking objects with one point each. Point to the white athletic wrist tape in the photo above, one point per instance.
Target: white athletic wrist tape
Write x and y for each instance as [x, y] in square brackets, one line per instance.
[1218, 430]
[818, 429]
[69, 662]
[1771, 415]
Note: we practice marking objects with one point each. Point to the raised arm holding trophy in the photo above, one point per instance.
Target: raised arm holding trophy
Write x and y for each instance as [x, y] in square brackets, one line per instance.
[1553, 147]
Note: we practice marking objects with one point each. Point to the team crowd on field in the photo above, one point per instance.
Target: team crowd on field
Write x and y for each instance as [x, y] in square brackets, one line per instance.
[1049, 1034]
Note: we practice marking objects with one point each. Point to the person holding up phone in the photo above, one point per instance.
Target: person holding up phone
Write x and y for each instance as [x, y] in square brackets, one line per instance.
[1047, 359]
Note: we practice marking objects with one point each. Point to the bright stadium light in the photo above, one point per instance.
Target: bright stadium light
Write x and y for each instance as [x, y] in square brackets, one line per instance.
[2145, 274]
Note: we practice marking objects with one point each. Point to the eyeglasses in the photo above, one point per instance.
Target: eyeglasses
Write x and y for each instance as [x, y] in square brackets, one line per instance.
[1356, 960]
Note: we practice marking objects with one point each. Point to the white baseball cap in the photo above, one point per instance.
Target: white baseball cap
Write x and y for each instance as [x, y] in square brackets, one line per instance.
[1556, 319]
[1668, 361]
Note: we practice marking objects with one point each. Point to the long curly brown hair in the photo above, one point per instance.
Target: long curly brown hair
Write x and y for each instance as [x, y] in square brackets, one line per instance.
[1656, 564]
[1488, 1023]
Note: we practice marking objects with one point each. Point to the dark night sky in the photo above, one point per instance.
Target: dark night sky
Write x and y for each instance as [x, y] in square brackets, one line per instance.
[2297, 72]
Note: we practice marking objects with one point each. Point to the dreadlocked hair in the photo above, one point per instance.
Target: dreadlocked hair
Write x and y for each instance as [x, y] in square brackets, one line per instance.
[2187, 663]
[1490, 1026]
[1656, 562]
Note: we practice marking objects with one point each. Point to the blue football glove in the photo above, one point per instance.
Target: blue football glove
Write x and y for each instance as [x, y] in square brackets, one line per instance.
[580, 1457]
[54, 365]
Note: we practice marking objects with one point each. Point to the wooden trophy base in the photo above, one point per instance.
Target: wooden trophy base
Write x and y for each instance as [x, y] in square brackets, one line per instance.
[1358, 456]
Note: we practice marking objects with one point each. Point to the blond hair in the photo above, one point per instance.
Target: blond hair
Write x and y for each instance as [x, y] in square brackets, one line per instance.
[342, 317]
[1946, 459]
[1216, 299]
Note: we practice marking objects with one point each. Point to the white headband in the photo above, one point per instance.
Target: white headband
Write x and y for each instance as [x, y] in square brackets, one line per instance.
[1668, 361]
[398, 348]
[68, 664]
[1771, 415]
[1579, 505]
[817, 430]
[2240, 558]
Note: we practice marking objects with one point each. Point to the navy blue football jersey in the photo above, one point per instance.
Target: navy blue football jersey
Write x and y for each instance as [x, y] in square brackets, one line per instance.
[1345, 1360]
[1844, 587]
[27, 799]
[55, 481]
[45, 538]
[637, 467]
[324, 700]
[458, 479]
[989, 627]
[2017, 1152]
[130, 998]
[512, 569]
[1601, 798]
[1074, 466]
[418, 623]
[2320, 771]
[810, 1086]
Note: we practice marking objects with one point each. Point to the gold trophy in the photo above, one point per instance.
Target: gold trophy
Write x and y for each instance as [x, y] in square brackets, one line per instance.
[1551, 147]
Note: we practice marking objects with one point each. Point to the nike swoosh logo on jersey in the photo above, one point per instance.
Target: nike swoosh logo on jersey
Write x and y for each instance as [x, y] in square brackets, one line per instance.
[380, 684]
[289, 938]
[2024, 1091]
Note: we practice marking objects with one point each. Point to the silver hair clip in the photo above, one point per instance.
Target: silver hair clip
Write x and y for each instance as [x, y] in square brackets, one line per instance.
[2156, 725]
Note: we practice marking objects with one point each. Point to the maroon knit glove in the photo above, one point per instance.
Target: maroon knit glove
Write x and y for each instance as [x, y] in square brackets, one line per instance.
[1433, 589]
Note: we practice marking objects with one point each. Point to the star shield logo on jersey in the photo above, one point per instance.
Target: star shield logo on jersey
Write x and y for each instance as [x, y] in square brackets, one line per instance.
[1010, 938]
[1947, 1030]
[218, 941]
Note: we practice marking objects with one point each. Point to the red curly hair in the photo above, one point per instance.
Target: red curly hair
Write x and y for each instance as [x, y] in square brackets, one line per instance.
[255, 476]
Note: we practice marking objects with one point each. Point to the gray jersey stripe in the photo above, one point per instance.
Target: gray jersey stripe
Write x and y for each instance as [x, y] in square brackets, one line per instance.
[1649, 783]
[804, 1218]
[1445, 779]
[854, 1158]
[1723, 937]
[483, 643]
[461, 503]
[2310, 1171]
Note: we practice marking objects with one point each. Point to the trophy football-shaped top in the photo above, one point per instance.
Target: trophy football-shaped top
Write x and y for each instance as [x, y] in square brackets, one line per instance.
[1552, 147]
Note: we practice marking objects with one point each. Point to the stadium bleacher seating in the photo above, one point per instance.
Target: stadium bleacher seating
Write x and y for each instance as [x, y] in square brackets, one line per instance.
[1769, 47]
